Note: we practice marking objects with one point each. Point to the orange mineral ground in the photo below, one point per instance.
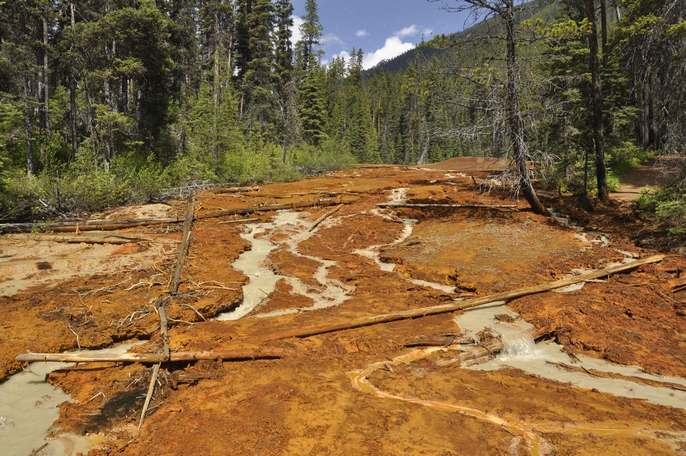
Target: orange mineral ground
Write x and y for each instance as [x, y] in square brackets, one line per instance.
[611, 354]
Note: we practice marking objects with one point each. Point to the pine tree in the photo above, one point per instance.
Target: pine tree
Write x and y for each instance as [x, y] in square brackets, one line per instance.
[311, 29]
[258, 87]
[312, 108]
[243, 33]
[283, 58]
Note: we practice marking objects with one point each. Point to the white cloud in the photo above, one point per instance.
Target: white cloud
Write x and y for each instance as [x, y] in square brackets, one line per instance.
[361, 33]
[330, 38]
[345, 55]
[410, 30]
[393, 47]
[296, 35]
[413, 30]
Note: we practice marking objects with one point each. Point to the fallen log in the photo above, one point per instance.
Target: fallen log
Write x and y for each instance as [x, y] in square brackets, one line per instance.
[185, 245]
[152, 358]
[321, 219]
[236, 189]
[468, 304]
[75, 227]
[235, 222]
[161, 303]
[450, 206]
[115, 240]
[278, 207]
[320, 193]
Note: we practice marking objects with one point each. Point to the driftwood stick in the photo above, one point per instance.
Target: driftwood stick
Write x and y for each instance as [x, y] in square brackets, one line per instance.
[164, 325]
[319, 193]
[236, 189]
[278, 207]
[151, 390]
[451, 206]
[235, 222]
[154, 358]
[116, 240]
[183, 249]
[464, 305]
[321, 219]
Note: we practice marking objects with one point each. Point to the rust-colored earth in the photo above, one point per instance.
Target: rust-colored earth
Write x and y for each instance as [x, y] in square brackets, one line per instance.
[348, 392]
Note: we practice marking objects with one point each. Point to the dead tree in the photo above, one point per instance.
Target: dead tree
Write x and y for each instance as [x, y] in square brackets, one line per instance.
[504, 10]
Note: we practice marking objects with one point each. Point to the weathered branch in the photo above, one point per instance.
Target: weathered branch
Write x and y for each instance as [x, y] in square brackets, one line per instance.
[321, 219]
[153, 358]
[450, 206]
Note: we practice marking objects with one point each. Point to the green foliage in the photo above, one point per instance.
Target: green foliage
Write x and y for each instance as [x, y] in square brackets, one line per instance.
[331, 156]
[667, 207]
[312, 108]
[626, 156]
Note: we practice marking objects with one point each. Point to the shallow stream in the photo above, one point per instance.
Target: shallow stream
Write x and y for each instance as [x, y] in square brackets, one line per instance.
[548, 360]
[29, 407]
[254, 263]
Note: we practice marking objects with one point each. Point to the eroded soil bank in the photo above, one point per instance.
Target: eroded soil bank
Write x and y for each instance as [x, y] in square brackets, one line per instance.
[396, 388]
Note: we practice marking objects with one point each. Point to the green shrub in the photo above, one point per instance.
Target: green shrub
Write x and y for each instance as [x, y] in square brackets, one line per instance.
[612, 181]
[329, 157]
[666, 207]
[86, 185]
[186, 169]
[625, 157]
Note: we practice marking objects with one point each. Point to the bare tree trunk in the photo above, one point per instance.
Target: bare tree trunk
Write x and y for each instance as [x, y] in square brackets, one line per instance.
[603, 28]
[46, 72]
[72, 92]
[44, 86]
[425, 150]
[28, 125]
[514, 115]
[596, 103]
[216, 88]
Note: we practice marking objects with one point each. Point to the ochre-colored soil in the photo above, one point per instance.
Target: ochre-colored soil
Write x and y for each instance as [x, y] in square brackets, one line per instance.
[310, 402]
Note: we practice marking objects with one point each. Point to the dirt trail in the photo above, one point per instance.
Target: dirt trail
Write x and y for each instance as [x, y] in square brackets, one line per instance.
[360, 391]
[640, 179]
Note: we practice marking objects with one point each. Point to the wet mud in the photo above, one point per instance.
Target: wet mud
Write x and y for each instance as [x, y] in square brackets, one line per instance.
[593, 369]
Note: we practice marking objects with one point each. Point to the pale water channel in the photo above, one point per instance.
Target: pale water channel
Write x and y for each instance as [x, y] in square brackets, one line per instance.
[29, 407]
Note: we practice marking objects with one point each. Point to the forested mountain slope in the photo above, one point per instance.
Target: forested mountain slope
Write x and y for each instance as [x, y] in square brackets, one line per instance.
[108, 102]
[478, 34]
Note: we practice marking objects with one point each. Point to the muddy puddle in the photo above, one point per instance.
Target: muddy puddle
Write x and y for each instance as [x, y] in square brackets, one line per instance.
[254, 263]
[29, 407]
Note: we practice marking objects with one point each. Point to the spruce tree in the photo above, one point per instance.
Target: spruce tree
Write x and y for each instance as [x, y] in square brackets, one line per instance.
[243, 55]
[283, 47]
[258, 88]
[311, 29]
[312, 108]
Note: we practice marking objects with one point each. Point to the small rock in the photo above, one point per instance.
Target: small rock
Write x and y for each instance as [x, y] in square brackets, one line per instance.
[43, 265]
[505, 318]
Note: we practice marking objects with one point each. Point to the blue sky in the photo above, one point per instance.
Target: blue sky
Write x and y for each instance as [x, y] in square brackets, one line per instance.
[382, 28]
